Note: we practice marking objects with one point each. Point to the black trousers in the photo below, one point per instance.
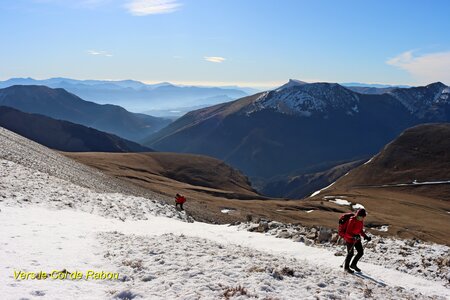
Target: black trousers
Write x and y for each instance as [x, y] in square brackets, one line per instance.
[350, 251]
[180, 204]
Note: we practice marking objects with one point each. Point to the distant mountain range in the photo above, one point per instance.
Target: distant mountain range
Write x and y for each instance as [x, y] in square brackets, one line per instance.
[62, 105]
[136, 96]
[63, 135]
[363, 88]
[302, 128]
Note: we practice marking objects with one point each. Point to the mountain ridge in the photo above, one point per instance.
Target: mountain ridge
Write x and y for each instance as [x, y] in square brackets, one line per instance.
[64, 135]
[135, 95]
[276, 132]
[61, 104]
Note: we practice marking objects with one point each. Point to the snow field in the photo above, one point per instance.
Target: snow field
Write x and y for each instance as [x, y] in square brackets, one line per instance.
[49, 224]
[22, 186]
[181, 267]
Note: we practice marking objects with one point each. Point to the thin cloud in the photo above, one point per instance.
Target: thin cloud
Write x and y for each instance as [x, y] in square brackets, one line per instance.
[99, 53]
[151, 7]
[424, 68]
[214, 59]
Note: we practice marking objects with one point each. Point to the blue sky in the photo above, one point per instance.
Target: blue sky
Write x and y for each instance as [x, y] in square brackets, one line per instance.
[259, 43]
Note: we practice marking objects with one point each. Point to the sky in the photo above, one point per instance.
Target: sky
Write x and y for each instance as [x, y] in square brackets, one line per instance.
[253, 43]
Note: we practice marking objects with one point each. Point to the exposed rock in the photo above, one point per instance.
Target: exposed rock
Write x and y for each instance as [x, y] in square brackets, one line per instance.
[311, 235]
[334, 237]
[284, 235]
[324, 235]
[300, 239]
[263, 226]
[308, 242]
[275, 224]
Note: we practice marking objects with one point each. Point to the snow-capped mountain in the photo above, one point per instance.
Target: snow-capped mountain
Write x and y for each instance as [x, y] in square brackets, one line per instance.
[429, 102]
[305, 99]
[295, 129]
[298, 97]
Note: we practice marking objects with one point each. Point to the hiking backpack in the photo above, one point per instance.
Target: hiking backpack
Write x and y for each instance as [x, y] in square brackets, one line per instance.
[343, 222]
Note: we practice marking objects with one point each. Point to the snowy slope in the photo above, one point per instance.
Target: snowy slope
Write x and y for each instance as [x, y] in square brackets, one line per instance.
[429, 100]
[49, 222]
[306, 99]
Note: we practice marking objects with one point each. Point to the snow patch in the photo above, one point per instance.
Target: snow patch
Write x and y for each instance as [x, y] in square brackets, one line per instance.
[319, 191]
[369, 161]
[383, 228]
[22, 186]
[341, 201]
[357, 206]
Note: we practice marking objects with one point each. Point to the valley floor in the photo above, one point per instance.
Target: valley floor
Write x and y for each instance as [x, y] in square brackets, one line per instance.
[47, 223]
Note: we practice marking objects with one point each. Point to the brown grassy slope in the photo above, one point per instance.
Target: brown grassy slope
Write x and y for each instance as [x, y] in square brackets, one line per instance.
[196, 171]
[421, 153]
[409, 211]
[209, 185]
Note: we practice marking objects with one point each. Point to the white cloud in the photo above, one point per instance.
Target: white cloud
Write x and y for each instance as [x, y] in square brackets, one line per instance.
[100, 53]
[214, 59]
[424, 68]
[151, 7]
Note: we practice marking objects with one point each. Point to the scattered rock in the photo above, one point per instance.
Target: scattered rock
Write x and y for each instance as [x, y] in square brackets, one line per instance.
[334, 238]
[284, 235]
[308, 242]
[275, 224]
[263, 226]
[324, 235]
[311, 235]
[300, 239]
[148, 278]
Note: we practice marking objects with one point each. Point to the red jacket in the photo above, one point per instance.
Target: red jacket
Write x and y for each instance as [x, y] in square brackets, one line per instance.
[354, 227]
[180, 199]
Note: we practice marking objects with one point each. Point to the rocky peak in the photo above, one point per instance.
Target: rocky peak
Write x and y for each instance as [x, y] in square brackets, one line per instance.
[306, 99]
[424, 101]
[291, 83]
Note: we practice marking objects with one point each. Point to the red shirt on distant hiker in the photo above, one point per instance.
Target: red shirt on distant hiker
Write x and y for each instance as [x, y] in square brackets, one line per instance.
[179, 200]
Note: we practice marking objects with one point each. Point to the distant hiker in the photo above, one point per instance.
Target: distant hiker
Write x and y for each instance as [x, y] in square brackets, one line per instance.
[179, 200]
[353, 232]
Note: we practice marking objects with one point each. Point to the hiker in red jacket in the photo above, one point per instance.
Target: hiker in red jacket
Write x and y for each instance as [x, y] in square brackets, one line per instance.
[352, 238]
[179, 200]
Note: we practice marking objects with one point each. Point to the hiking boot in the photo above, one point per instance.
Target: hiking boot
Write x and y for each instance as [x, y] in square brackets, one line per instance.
[348, 270]
[354, 267]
